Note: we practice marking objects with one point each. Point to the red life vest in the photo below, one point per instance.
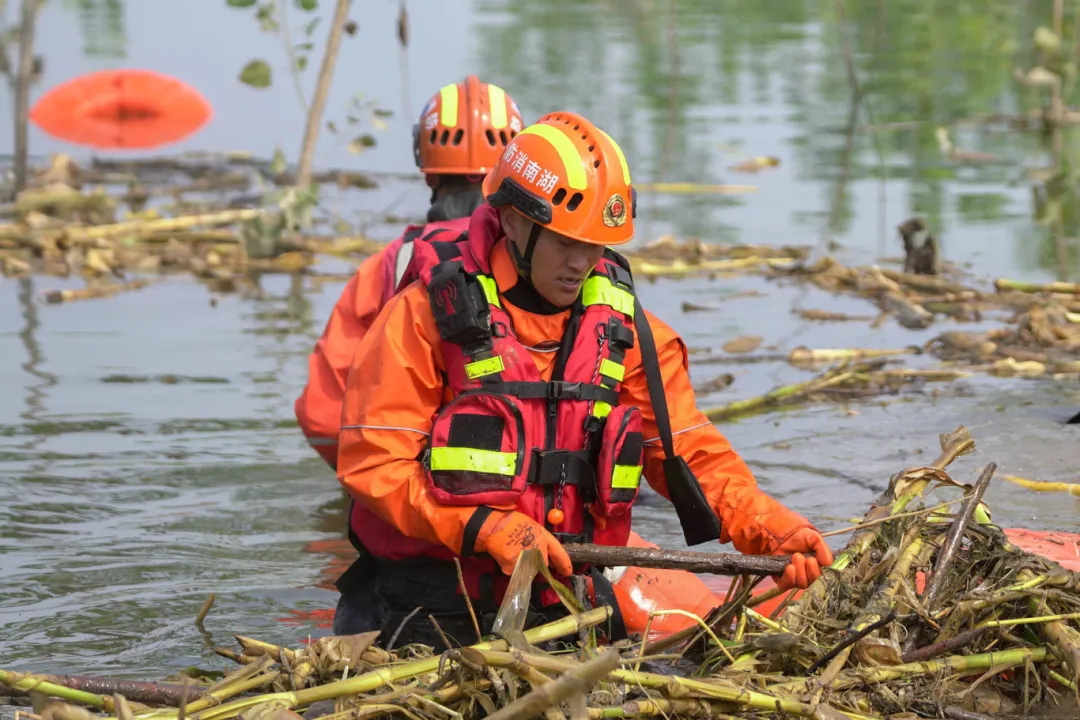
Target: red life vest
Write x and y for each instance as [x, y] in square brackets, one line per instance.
[507, 436]
[398, 255]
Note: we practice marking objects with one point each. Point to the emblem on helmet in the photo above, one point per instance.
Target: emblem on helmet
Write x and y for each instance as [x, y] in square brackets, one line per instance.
[615, 211]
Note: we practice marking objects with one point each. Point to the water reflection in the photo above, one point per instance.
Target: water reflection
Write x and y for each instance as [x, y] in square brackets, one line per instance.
[194, 487]
[36, 389]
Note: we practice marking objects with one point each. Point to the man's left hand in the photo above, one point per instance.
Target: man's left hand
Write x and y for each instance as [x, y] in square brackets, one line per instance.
[809, 553]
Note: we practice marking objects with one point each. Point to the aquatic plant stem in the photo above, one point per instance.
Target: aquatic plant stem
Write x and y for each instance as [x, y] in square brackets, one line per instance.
[27, 683]
[322, 91]
[388, 675]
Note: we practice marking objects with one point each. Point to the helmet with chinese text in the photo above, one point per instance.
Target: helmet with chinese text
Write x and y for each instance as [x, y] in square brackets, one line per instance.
[569, 176]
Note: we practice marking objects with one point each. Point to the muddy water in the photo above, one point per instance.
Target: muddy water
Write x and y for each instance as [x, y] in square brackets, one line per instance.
[148, 452]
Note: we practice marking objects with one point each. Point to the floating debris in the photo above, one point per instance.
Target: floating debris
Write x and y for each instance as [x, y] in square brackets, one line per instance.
[926, 612]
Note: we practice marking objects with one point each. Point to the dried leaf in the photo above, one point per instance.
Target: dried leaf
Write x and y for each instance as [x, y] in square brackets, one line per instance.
[755, 164]
[903, 480]
[743, 344]
[876, 652]
[269, 710]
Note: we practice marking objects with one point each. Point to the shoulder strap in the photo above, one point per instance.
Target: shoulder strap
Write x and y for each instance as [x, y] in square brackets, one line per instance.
[699, 522]
[650, 362]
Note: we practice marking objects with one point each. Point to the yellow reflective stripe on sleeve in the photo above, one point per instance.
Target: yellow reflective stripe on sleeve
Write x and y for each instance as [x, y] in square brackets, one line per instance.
[613, 370]
[625, 477]
[497, 101]
[564, 146]
[598, 290]
[491, 290]
[622, 158]
[601, 409]
[449, 96]
[471, 459]
[482, 368]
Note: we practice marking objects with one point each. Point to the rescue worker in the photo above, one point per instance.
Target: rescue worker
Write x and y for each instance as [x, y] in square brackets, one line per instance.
[462, 131]
[511, 398]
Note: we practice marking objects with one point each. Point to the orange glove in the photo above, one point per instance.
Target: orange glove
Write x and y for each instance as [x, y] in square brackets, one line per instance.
[803, 569]
[512, 533]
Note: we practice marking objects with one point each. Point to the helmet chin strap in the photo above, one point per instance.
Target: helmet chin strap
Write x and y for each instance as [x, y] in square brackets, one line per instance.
[524, 264]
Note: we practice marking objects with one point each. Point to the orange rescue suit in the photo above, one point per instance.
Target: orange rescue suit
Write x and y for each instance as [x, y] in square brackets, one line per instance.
[396, 387]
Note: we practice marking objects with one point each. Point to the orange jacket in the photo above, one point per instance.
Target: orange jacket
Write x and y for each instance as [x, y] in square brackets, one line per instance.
[396, 387]
[318, 409]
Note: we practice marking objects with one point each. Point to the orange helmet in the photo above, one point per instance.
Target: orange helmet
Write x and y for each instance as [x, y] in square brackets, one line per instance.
[568, 175]
[464, 128]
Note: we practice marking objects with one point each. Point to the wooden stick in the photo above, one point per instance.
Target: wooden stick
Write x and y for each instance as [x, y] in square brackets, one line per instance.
[689, 560]
[573, 682]
[22, 89]
[955, 536]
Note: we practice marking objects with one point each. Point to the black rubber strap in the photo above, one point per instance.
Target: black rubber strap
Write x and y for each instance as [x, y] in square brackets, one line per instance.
[556, 389]
[472, 530]
[651, 364]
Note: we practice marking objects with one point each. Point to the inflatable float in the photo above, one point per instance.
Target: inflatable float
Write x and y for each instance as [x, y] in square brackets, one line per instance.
[121, 109]
[642, 591]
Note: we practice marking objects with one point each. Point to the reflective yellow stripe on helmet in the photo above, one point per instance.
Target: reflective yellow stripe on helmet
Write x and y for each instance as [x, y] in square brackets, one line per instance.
[598, 290]
[622, 158]
[473, 460]
[564, 146]
[449, 96]
[497, 100]
[483, 368]
[613, 370]
[491, 290]
[625, 477]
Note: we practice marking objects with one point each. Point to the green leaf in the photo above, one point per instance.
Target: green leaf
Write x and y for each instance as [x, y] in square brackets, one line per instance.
[240, 3]
[256, 74]
[378, 123]
[305, 47]
[310, 27]
[307, 5]
[361, 143]
[301, 63]
[351, 27]
[383, 113]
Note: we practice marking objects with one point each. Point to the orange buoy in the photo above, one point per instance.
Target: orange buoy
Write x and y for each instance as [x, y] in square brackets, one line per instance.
[125, 109]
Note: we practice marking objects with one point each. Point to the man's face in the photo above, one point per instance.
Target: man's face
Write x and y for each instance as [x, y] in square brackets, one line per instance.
[559, 265]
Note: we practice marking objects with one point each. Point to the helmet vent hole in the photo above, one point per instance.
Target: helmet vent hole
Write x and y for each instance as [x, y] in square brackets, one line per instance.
[592, 148]
[559, 196]
[502, 136]
[577, 127]
[575, 200]
[584, 137]
[596, 163]
[458, 136]
[434, 136]
[491, 138]
[445, 137]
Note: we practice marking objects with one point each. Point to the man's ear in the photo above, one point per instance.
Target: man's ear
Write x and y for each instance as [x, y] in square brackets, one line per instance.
[510, 221]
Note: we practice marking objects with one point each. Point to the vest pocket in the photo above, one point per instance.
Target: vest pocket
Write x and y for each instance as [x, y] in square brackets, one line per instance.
[477, 451]
[621, 459]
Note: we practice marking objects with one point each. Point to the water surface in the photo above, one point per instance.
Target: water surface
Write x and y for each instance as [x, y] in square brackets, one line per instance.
[125, 499]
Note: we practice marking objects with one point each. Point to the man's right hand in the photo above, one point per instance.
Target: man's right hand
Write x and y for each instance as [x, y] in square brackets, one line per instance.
[512, 533]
